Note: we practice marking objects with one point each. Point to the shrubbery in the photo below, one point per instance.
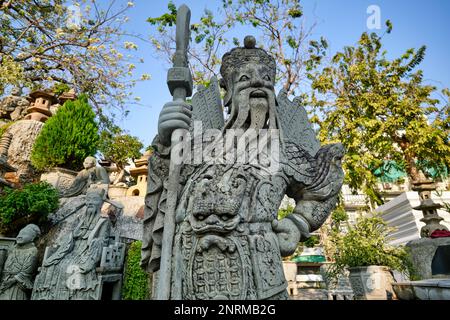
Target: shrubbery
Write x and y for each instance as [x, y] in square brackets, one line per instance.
[135, 285]
[67, 138]
[33, 203]
[366, 243]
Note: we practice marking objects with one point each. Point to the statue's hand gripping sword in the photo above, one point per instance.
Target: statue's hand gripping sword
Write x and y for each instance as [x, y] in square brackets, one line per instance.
[179, 81]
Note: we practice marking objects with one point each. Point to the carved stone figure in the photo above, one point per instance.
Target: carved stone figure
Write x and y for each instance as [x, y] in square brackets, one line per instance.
[13, 107]
[227, 240]
[91, 176]
[5, 141]
[69, 269]
[20, 266]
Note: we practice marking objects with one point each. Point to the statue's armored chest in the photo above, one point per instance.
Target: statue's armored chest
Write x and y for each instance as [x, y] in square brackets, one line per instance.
[219, 197]
[224, 240]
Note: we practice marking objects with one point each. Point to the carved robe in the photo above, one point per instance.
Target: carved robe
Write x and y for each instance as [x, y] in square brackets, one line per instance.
[70, 273]
[20, 266]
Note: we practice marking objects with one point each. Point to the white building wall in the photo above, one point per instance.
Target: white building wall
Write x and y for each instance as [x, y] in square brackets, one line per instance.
[399, 213]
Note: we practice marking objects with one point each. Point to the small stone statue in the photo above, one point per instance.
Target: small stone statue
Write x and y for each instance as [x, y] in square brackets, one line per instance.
[227, 242]
[68, 271]
[20, 266]
[91, 176]
[13, 107]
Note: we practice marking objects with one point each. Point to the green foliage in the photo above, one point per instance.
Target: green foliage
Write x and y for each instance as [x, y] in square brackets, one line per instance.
[5, 127]
[381, 111]
[67, 138]
[365, 244]
[42, 47]
[312, 241]
[285, 35]
[135, 285]
[167, 19]
[339, 215]
[282, 213]
[60, 88]
[119, 147]
[34, 201]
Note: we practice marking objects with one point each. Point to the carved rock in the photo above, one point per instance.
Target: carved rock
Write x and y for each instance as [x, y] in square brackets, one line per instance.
[24, 134]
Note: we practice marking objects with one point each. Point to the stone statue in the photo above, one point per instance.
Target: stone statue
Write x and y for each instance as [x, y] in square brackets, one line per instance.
[227, 241]
[68, 272]
[20, 266]
[13, 107]
[91, 176]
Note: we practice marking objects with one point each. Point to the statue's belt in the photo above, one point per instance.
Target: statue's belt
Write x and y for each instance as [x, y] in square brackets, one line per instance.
[251, 228]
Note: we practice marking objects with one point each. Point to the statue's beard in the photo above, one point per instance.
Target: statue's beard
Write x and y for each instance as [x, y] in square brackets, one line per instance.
[252, 107]
[91, 210]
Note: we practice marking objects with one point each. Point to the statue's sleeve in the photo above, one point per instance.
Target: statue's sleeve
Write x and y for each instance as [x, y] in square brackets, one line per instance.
[96, 242]
[77, 186]
[102, 175]
[155, 206]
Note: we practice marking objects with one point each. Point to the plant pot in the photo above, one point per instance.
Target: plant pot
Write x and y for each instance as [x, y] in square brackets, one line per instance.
[60, 178]
[372, 283]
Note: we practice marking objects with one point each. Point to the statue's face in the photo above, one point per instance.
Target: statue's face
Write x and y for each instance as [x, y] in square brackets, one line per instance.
[253, 94]
[26, 235]
[89, 163]
[92, 204]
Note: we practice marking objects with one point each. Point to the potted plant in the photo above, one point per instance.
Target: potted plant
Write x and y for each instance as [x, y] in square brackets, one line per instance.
[365, 251]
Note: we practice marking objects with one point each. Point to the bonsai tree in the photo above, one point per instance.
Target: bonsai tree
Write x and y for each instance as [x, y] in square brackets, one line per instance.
[119, 148]
[67, 138]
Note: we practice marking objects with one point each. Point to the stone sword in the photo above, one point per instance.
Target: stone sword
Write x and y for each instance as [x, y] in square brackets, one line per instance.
[179, 81]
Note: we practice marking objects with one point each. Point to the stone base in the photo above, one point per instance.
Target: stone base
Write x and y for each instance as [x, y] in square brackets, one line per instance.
[310, 294]
[431, 289]
[422, 254]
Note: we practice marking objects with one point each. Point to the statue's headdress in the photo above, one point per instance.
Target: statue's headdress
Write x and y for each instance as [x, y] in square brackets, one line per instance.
[240, 56]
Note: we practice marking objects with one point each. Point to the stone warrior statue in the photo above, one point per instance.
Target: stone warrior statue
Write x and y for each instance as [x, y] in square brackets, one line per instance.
[228, 242]
[20, 266]
[68, 270]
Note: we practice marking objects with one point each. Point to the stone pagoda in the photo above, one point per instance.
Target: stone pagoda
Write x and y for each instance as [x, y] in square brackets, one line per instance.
[429, 208]
[39, 110]
[140, 175]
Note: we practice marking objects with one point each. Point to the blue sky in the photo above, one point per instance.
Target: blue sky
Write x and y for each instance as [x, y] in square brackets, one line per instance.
[415, 22]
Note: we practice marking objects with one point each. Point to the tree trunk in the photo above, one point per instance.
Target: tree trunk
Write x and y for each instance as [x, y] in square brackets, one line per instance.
[414, 173]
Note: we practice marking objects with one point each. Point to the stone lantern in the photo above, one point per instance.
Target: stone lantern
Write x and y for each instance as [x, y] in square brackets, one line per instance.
[140, 175]
[69, 95]
[429, 208]
[39, 110]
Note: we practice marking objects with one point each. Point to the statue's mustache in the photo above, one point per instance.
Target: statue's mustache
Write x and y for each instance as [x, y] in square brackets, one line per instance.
[267, 87]
[258, 92]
